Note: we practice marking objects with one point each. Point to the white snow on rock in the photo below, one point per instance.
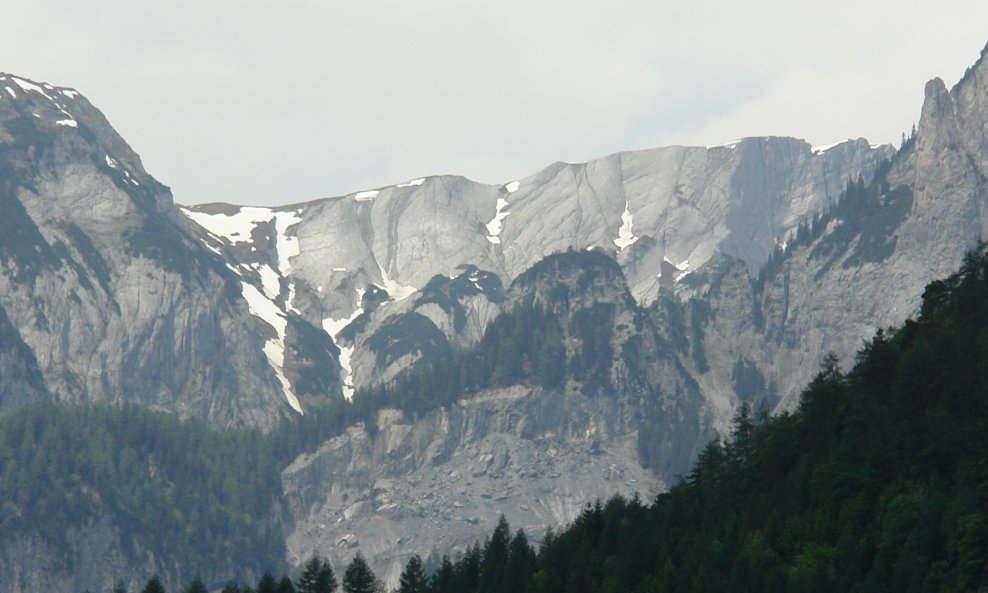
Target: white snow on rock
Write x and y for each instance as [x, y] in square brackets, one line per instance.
[682, 268]
[10, 92]
[270, 281]
[290, 301]
[69, 93]
[112, 163]
[333, 327]
[625, 235]
[395, 290]
[288, 247]
[27, 86]
[67, 122]
[826, 147]
[235, 228]
[512, 187]
[494, 226]
[366, 195]
[418, 181]
[346, 353]
[731, 145]
[274, 349]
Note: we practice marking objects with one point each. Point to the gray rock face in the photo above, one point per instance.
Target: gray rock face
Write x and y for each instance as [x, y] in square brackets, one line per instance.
[105, 293]
[441, 482]
[867, 269]
[664, 212]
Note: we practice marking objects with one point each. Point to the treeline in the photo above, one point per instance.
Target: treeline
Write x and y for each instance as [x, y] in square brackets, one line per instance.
[201, 497]
[879, 482]
[316, 576]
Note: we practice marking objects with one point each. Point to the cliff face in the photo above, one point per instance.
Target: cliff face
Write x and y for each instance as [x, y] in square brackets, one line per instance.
[106, 295]
[866, 263]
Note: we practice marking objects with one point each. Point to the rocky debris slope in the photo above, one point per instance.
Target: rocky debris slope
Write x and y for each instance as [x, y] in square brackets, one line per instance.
[440, 483]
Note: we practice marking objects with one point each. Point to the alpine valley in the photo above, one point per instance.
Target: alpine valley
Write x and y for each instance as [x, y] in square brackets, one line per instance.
[390, 371]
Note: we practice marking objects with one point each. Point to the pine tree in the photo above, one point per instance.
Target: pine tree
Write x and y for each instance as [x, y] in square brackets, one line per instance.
[285, 585]
[317, 577]
[442, 580]
[495, 558]
[154, 586]
[196, 586]
[267, 584]
[412, 580]
[358, 577]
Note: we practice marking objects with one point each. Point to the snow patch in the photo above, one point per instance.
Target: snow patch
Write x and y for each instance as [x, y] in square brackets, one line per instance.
[366, 195]
[290, 301]
[69, 93]
[339, 269]
[68, 122]
[419, 181]
[270, 281]
[10, 92]
[333, 327]
[682, 268]
[287, 247]
[731, 145]
[27, 86]
[112, 163]
[494, 226]
[826, 147]
[274, 349]
[512, 187]
[346, 354]
[395, 290]
[626, 237]
[235, 228]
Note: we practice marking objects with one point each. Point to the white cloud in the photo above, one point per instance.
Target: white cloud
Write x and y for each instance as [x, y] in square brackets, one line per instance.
[229, 101]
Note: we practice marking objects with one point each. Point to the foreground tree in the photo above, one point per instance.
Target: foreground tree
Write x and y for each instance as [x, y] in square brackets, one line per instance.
[358, 577]
[413, 579]
[317, 577]
[196, 586]
[154, 586]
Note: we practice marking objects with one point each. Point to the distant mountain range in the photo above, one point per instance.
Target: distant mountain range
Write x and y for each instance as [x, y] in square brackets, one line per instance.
[604, 319]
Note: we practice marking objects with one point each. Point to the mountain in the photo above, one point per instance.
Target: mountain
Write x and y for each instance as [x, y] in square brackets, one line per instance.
[506, 348]
[876, 483]
[105, 294]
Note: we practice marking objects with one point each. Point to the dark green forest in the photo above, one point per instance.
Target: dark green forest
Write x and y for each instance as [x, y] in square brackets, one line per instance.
[198, 496]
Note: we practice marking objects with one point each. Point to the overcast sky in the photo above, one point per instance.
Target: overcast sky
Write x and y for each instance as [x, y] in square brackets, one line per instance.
[272, 103]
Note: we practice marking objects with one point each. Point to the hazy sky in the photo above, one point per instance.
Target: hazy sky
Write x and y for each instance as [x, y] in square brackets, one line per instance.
[270, 103]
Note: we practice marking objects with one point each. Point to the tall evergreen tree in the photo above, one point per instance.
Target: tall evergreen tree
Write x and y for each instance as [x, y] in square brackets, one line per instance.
[413, 579]
[317, 577]
[153, 586]
[285, 585]
[267, 584]
[358, 577]
[442, 579]
[196, 586]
